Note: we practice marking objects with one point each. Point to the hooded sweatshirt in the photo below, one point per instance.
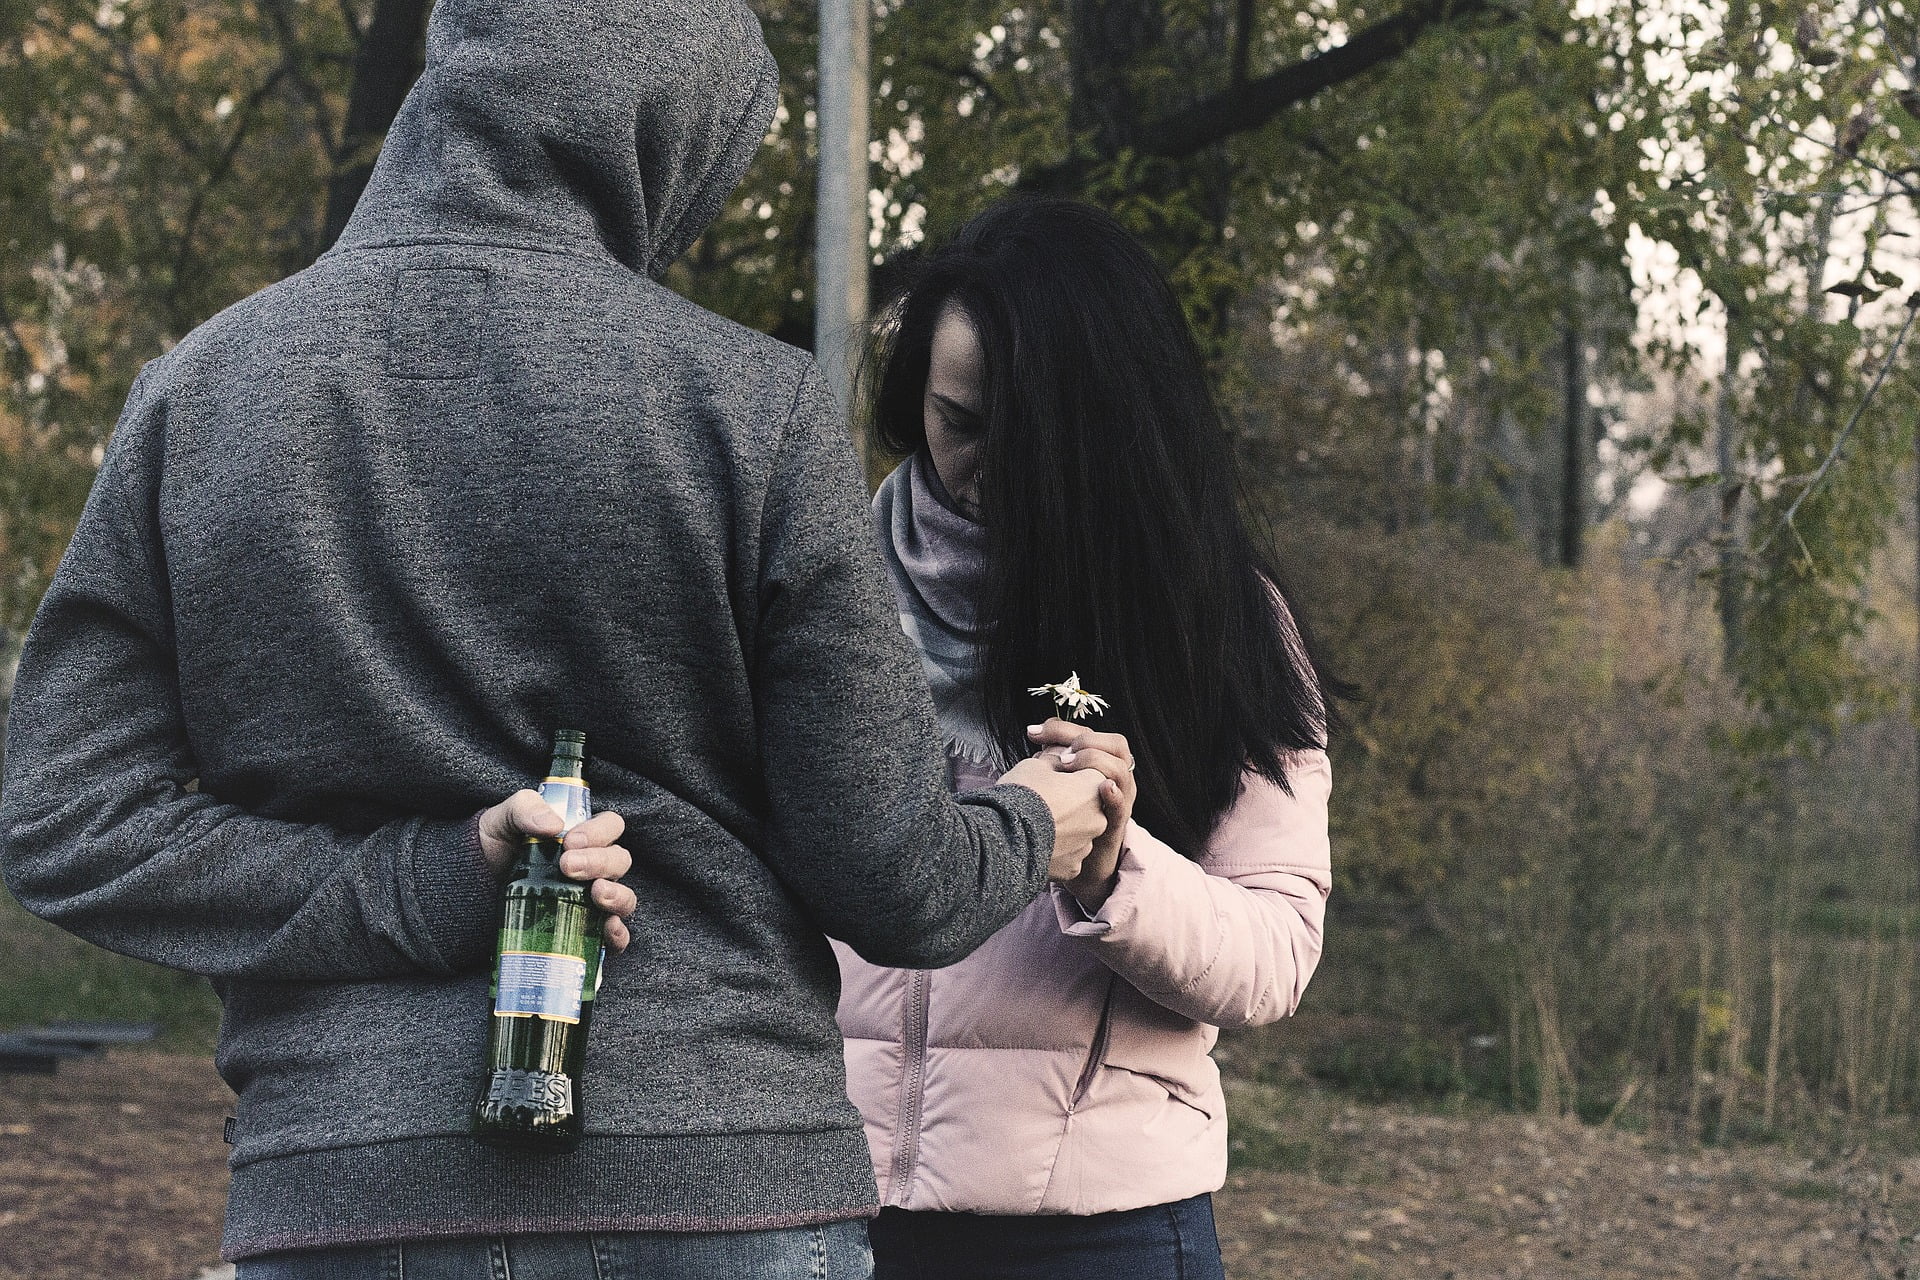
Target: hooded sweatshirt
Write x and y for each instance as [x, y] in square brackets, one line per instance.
[362, 541]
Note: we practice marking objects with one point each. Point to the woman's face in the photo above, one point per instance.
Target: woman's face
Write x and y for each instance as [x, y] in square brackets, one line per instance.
[951, 408]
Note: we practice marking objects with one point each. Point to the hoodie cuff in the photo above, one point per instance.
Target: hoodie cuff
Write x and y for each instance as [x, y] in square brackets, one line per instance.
[457, 893]
[1031, 820]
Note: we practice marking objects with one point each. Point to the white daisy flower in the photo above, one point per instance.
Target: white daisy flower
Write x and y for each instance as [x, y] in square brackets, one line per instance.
[1070, 698]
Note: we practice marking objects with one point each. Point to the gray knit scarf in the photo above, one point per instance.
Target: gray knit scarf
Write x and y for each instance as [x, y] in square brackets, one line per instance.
[937, 561]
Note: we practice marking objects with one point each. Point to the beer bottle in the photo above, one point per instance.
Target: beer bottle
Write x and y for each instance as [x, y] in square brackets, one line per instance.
[545, 977]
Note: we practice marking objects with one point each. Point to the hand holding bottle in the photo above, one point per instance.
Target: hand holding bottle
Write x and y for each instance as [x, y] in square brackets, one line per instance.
[591, 853]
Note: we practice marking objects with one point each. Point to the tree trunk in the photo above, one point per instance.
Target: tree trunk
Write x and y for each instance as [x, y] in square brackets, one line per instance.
[1573, 472]
[1242, 42]
[1400, 459]
[1733, 1058]
[1108, 37]
[1556, 1066]
[1726, 423]
[1776, 1014]
[1696, 1094]
[391, 57]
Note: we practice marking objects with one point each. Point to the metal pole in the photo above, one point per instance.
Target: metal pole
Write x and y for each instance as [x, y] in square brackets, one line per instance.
[840, 217]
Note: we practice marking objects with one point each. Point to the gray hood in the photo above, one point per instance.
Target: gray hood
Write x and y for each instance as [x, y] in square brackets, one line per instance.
[605, 127]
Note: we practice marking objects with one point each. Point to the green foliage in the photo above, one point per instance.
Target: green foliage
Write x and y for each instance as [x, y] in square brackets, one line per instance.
[1427, 236]
[1779, 148]
[1408, 1066]
[1281, 1129]
[52, 977]
[1556, 892]
[161, 159]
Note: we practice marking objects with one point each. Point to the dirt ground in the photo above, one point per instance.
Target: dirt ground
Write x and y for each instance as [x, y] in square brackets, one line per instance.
[115, 1167]
[1394, 1192]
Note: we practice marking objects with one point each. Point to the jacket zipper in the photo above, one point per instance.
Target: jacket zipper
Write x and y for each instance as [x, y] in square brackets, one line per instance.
[913, 1041]
[1097, 1053]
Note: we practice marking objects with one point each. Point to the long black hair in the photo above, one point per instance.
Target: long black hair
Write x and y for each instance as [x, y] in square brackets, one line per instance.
[1115, 542]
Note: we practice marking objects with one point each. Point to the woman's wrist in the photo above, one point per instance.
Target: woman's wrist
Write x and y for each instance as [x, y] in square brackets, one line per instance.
[1093, 895]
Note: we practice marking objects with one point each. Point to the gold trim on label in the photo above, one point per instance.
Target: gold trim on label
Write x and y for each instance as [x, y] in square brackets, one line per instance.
[570, 782]
[544, 1017]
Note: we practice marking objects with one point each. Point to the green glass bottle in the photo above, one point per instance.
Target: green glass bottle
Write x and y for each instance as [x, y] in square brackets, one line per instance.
[546, 974]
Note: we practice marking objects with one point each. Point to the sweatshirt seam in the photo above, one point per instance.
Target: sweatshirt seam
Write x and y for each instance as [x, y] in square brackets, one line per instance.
[239, 1162]
[773, 469]
[136, 519]
[516, 1224]
[417, 915]
[608, 265]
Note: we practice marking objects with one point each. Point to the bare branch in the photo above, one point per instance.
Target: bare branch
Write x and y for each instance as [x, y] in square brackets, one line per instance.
[1898, 180]
[1840, 441]
[354, 25]
[216, 174]
[295, 55]
[116, 61]
[1247, 106]
[15, 344]
[1250, 105]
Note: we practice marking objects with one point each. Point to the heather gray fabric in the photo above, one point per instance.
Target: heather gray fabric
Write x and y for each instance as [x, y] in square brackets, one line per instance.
[360, 544]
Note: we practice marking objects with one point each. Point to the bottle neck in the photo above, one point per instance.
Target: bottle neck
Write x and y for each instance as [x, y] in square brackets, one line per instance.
[565, 789]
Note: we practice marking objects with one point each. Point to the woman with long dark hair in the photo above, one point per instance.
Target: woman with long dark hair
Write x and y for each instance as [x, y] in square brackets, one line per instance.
[1068, 507]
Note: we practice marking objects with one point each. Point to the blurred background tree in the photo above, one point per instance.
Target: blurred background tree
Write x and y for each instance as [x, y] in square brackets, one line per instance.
[1566, 349]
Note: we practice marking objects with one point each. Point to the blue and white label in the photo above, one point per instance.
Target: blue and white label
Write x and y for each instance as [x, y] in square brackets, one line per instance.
[540, 984]
[569, 798]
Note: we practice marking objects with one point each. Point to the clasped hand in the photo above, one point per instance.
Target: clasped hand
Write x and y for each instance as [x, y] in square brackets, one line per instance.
[1089, 831]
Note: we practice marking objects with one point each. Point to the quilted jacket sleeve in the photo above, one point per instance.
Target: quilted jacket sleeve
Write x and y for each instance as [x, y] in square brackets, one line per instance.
[1230, 939]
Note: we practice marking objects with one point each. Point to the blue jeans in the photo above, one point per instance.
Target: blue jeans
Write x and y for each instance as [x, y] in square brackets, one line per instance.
[1162, 1242]
[833, 1251]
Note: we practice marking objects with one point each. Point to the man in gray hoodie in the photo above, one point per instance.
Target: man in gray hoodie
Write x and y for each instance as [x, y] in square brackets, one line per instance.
[363, 540]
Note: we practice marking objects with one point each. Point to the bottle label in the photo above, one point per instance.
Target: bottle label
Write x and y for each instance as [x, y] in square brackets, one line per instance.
[539, 984]
[547, 1092]
[569, 798]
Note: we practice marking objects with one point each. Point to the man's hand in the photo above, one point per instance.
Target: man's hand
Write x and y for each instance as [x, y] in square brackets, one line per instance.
[589, 853]
[1080, 803]
[1076, 747]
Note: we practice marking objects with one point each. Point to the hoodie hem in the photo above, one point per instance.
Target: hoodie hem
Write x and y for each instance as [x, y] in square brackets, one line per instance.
[426, 1188]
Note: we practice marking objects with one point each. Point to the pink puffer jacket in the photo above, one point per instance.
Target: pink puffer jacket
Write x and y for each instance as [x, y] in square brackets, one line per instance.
[1063, 1067]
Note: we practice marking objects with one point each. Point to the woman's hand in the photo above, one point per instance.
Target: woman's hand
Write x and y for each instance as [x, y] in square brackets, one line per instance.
[1080, 805]
[589, 853]
[1073, 747]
